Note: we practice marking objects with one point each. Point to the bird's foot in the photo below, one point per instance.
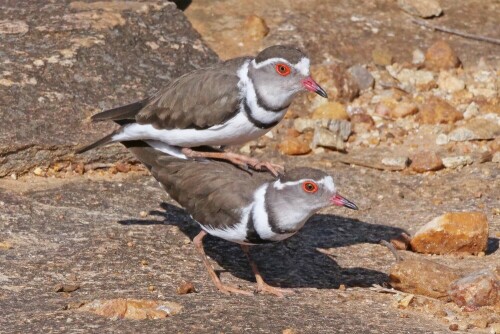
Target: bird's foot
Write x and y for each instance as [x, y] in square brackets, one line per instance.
[229, 289]
[278, 292]
[242, 161]
[275, 169]
[246, 161]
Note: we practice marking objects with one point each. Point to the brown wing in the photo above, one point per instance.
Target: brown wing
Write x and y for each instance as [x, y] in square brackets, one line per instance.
[199, 99]
[211, 191]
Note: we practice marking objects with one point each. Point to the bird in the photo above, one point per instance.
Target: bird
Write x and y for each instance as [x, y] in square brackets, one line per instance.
[240, 207]
[230, 103]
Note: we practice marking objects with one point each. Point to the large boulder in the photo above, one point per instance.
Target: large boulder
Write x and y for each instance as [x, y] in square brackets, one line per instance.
[61, 62]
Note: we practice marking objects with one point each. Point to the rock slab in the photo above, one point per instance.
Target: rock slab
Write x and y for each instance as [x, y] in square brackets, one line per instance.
[76, 59]
[423, 277]
[133, 309]
[478, 289]
[453, 232]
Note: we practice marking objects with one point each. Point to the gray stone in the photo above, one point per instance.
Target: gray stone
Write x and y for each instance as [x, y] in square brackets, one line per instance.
[455, 162]
[411, 79]
[418, 57]
[340, 127]
[496, 157]
[326, 138]
[471, 110]
[362, 76]
[421, 8]
[449, 82]
[442, 139]
[303, 124]
[476, 129]
[72, 62]
[397, 162]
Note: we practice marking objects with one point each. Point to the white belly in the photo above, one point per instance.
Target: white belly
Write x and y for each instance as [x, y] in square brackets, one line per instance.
[236, 131]
[236, 234]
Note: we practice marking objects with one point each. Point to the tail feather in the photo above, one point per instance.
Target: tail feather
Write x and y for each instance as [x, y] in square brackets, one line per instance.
[120, 113]
[105, 140]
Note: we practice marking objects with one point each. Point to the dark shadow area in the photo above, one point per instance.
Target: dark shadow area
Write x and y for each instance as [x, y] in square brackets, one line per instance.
[182, 4]
[493, 244]
[295, 262]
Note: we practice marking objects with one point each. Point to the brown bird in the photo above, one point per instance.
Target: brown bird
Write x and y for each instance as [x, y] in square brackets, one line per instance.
[228, 104]
[240, 207]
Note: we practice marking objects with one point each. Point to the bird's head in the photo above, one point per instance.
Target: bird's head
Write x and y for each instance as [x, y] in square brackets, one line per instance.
[279, 72]
[311, 189]
[300, 193]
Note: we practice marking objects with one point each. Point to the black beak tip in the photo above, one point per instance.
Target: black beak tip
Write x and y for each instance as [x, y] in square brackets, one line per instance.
[353, 206]
[321, 92]
[350, 205]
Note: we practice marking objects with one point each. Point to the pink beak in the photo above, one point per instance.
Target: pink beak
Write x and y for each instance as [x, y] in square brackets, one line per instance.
[342, 201]
[313, 86]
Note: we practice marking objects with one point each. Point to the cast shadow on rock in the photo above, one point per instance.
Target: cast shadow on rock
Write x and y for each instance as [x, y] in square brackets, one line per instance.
[493, 245]
[182, 4]
[295, 262]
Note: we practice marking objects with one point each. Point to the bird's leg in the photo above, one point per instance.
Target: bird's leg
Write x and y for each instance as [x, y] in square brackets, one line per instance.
[198, 242]
[262, 286]
[239, 160]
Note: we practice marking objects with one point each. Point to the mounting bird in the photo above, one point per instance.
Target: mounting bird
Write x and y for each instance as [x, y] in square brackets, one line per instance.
[244, 208]
[228, 104]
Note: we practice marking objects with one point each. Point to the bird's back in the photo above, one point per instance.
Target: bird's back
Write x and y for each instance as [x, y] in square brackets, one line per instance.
[212, 192]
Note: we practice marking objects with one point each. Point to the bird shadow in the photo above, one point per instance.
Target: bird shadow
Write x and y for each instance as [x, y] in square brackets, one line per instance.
[294, 262]
[493, 245]
[182, 4]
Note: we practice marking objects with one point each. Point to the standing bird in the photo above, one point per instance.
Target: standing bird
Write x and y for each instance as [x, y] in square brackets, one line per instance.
[228, 104]
[240, 207]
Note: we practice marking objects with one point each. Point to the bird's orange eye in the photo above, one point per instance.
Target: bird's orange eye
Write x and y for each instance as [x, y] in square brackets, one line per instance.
[282, 69]
[309, 187]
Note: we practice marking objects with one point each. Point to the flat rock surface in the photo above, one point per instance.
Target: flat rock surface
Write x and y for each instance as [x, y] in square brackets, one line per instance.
[98, 228]
[72, 60]
[92, 231]
[347, 30]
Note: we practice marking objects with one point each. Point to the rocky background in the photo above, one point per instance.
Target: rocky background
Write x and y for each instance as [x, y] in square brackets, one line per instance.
[410, 133]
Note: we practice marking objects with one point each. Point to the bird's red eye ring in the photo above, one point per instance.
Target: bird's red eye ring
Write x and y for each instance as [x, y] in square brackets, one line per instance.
[309, 187]
[282, 69]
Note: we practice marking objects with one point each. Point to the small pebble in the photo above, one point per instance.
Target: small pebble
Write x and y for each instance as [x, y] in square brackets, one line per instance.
[425, 161]
[455, 162]
[185, 288]
[39, 171]
[440, 56]
[442, 139]
[382, 56]
[66, 287]
[255, 27]
[396, 162]
[421, 8]
[472, 110]
[418, 57]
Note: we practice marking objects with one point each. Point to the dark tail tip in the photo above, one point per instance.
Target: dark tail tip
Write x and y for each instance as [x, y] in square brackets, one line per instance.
[105, 140]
